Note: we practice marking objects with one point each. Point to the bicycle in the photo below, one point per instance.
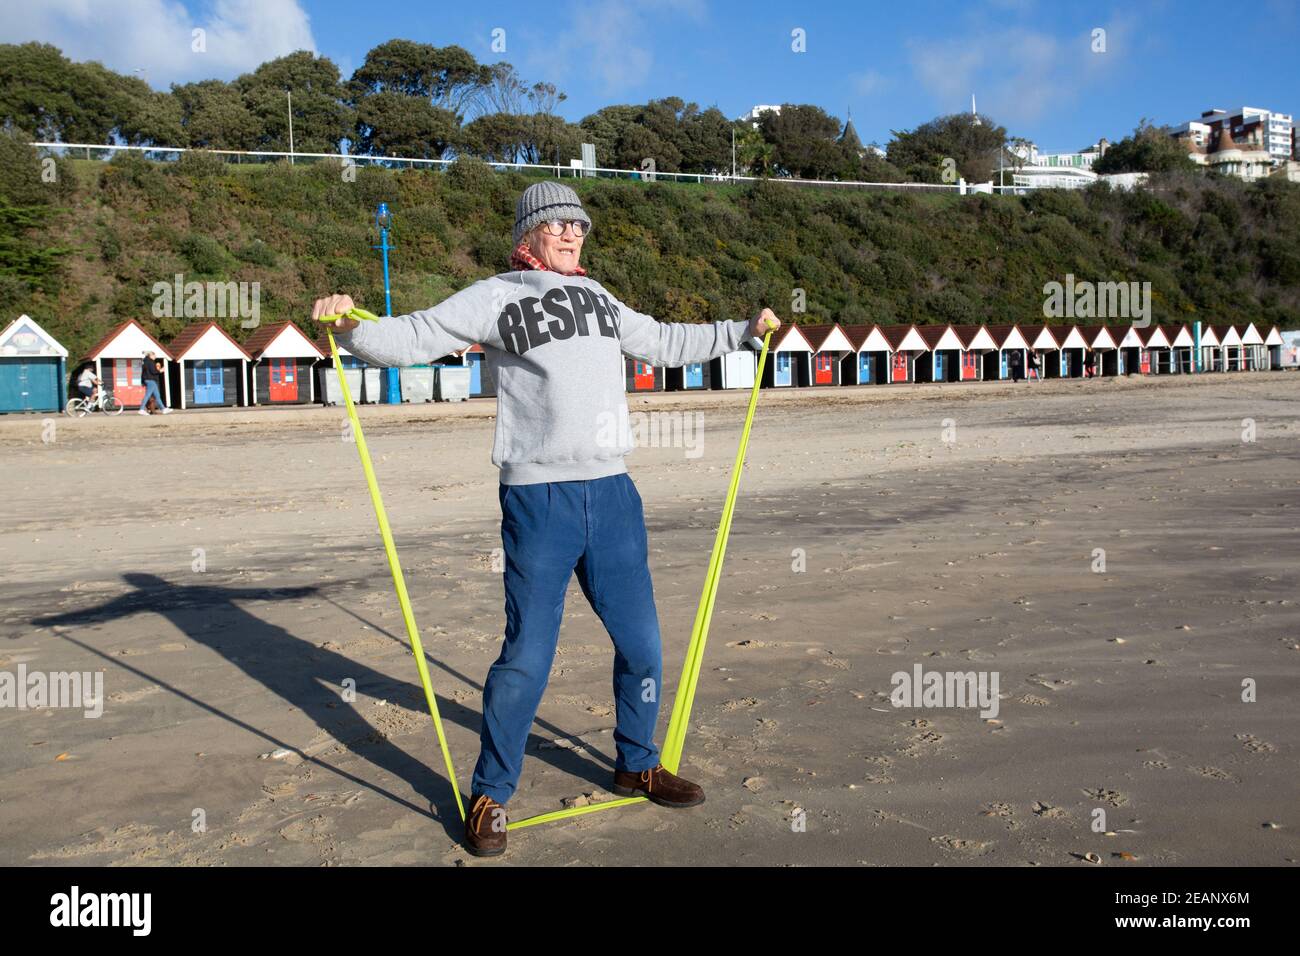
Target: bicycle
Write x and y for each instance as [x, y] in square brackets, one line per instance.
[103, 401]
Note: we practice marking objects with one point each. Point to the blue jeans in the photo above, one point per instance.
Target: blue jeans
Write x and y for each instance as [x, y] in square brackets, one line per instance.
[549, 530]
[151, 388]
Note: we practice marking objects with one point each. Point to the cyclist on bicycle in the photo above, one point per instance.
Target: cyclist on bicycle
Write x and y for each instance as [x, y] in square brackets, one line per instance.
[88, 383]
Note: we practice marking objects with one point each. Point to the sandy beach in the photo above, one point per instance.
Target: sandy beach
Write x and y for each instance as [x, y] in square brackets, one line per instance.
[222, 570]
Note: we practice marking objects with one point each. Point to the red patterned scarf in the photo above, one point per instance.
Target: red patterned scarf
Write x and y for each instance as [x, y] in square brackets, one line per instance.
[524, 260]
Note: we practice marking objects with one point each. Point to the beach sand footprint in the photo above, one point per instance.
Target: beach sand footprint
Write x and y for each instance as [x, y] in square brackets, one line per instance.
[1255, 745]
[961, 845]
[1112, 798]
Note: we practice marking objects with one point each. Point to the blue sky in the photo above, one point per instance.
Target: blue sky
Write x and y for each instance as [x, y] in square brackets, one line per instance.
[1030, 63]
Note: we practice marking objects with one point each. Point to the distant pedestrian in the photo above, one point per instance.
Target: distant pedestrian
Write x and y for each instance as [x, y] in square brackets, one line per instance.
[153, 404]
[151, 375]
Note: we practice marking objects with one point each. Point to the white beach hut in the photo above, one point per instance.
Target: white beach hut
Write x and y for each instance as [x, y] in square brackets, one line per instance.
[1074, 350]
[1211, 350]
[1273, 342]
[868, 363]
[118, 358]
[1252, 348]
[790, 358]
[1229, 347]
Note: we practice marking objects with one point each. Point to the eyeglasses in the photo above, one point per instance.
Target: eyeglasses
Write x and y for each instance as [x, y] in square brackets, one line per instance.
[556, 227]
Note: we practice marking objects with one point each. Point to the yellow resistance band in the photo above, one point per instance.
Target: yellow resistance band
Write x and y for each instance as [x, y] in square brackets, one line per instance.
[399, 582]
[670, 755]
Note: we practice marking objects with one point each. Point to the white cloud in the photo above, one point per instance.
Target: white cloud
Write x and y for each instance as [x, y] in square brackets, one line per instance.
[606, 45]
[868, 83]
[155, 36]
[1018, 75]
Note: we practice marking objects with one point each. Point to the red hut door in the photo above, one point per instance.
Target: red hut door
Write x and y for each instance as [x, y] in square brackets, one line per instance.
[643, 376]
[127, 387]
[970, 368]
[1145, 362]
[900, 367]
[284, 383]
[823, 368]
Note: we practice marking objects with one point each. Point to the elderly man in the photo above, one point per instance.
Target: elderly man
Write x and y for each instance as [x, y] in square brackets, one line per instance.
[554, 340]
[151, 376]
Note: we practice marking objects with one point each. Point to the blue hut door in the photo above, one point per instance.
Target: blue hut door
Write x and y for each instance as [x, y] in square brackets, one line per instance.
[864, 366]
[475, 372]
[208, 388]
[30, 386]
[938, 367]
[695, 375]
[1002, 358]
[13, 387]
[782, 368]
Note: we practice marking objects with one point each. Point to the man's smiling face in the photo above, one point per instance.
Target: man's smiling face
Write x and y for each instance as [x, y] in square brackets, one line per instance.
[558, 253]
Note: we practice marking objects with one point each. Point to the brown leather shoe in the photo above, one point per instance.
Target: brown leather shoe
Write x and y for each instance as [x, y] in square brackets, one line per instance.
[485, 827]
[658, 786]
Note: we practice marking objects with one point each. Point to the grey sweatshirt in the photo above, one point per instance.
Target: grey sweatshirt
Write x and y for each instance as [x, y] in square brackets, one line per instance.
[555, 346]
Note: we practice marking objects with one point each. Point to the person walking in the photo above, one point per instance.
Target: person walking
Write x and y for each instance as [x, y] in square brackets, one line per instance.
[151, 375]
[554, 340]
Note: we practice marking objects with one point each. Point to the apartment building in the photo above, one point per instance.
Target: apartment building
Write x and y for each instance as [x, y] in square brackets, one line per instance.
[1249, 143]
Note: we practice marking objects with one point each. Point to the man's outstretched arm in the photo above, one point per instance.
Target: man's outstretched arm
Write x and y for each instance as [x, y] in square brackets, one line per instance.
[670, 344]
[455, 323]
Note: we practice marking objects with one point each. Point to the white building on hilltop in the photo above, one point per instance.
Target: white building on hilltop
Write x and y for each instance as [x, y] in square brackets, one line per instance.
[1060, 170]
[755, 113]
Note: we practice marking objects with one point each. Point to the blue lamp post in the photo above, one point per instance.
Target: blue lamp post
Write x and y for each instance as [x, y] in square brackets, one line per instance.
[392, 381]
[383, 220]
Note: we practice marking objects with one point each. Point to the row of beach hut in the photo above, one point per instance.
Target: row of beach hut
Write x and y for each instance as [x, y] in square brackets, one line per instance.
[834, 354]
[280, 365]
[205, 367]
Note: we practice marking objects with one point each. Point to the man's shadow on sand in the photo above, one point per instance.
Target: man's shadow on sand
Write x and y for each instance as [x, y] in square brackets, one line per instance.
[306, 676]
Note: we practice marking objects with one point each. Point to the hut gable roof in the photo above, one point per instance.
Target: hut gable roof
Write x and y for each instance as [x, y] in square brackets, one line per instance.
[1209, 336]
[1008, 336]
[206, 340]
[127, 340]
[1153, 337]
[940, 337]
[281, 340]
[975, 337]
[1126, 337]
[1250, 335]
[827, 338]
[867, 338]
[904, 338]
[1099, 336]
[1274, 336]
[1045, 338]
[789, 338]
[1071, 338]
[24, 336]
[1178, 335]
[1228, 334]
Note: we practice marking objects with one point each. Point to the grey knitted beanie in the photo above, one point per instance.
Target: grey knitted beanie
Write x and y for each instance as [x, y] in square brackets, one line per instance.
[544, 201]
